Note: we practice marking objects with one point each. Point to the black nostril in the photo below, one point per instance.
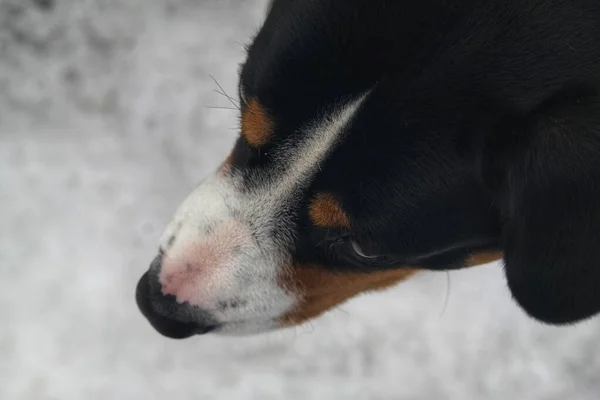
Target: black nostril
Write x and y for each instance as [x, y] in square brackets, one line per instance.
[150, 301]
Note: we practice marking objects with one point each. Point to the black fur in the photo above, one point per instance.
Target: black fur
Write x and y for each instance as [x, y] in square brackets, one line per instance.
[481, 131]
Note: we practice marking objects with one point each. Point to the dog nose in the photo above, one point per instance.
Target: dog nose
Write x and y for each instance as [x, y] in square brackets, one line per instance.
[165, 314]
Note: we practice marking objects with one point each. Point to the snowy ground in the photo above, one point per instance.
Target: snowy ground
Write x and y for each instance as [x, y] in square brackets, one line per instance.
[103, 130]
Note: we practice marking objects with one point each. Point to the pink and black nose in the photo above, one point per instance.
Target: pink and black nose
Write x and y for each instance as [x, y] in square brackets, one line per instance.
[170, 318]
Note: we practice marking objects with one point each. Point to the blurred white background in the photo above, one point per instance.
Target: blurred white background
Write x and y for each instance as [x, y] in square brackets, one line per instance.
[104, 128]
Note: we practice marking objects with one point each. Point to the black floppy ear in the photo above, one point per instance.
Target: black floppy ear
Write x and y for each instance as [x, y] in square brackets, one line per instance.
[549, 197]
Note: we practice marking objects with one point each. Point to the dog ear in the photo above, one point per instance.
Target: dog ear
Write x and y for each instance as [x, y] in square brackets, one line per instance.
[547, 189]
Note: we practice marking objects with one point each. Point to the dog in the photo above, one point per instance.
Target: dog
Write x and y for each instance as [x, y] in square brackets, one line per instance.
[381, 138]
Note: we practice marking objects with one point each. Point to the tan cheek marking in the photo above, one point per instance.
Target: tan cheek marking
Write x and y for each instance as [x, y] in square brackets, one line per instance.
[257, 125]
[321, 290]
[325, 212]
[485, 257]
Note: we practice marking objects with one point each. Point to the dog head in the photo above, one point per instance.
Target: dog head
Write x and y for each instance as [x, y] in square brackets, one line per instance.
[382, 138]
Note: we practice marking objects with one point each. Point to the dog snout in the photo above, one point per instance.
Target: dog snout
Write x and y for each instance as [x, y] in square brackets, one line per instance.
[169, 317]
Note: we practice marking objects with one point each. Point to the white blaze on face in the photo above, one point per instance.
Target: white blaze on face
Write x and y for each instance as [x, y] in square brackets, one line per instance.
[227, 246]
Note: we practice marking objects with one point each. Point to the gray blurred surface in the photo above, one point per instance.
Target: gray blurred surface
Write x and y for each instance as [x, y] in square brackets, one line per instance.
[104, 128]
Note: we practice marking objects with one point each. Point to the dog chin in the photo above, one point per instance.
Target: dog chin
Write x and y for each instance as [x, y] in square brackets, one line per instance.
[246, 328]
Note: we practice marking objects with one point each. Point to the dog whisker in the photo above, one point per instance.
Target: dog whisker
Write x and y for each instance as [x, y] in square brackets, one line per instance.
[224, 93]
[448, 287]
[232, 100]
[221, 108]
[343, 311]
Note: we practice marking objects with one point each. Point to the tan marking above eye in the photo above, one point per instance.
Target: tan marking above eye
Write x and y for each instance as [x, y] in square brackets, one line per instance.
[257, 125]
[326, 212]
[484, 257]
[320, 290]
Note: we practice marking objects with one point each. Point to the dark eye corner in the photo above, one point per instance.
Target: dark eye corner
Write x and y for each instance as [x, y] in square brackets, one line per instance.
[358, 250]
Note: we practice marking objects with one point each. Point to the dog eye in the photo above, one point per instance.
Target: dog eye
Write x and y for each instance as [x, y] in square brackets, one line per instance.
[360, 252]
[349, 250]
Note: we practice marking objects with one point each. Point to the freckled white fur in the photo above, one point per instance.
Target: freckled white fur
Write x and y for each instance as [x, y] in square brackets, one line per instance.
[251, 275]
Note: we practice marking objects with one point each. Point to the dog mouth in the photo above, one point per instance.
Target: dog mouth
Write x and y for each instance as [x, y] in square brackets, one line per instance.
[181, 321]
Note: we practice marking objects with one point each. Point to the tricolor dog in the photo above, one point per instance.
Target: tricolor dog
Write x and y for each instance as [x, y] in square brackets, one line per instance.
[379, 138]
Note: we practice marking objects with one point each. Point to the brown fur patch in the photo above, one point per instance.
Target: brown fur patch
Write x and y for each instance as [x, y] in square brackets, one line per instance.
[485, 257]
[326, 212]
[321, 290]
[257, 125]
